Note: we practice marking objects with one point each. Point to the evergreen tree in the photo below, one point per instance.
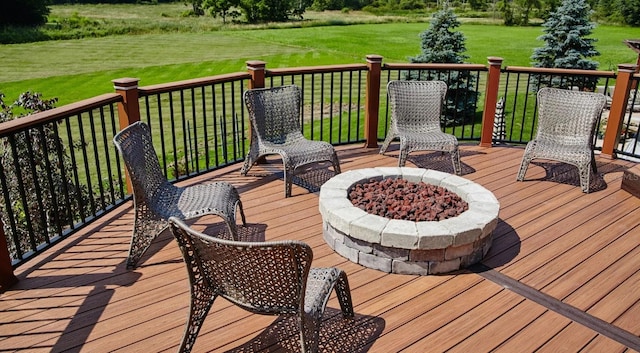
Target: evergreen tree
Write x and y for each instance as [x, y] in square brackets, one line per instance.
[567, 43]
[442, 43]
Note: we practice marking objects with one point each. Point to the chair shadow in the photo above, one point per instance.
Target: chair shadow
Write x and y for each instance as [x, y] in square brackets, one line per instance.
[313, 176]
[309, 177]
[441, 161]
[564, 173]
[337, 334]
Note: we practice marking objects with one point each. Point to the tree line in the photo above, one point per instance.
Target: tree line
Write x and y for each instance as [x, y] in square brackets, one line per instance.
[512, 12]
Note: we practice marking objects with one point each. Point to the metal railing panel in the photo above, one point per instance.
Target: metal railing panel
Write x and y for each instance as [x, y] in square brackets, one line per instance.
[59, 171]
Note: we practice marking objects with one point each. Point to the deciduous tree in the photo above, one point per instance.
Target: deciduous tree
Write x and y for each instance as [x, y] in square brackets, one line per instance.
[23, 12]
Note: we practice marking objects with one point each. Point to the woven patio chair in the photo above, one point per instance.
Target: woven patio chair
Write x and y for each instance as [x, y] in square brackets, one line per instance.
[566, 126]
[275, 129]
[267, 278]
[155, 199]
[416, 107]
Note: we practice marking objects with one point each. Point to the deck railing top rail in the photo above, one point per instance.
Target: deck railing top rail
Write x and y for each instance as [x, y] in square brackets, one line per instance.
[549, 71]
[191, 83]
[55, 114]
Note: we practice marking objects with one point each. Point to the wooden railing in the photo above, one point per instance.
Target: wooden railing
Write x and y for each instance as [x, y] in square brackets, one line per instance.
[199, 125]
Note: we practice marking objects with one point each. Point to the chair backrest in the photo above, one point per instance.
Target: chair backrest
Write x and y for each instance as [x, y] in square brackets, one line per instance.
[568, 116]
[416, 105]
[262, 277]
[141, 161]
[275, 112]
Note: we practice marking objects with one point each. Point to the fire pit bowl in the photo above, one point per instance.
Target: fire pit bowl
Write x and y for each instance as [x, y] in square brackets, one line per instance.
[408, 247]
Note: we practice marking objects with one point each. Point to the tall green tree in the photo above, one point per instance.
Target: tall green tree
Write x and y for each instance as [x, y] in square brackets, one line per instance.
[23, 12]
[630, 11]
[567, 42]
[273, 10]
[222, 8]
[443, 43]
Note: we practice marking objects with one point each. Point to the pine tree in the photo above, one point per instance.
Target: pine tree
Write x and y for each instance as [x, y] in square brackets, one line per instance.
[566, 37]
[442, 43]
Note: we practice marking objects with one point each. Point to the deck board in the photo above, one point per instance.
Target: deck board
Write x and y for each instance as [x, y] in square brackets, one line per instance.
[556, 253]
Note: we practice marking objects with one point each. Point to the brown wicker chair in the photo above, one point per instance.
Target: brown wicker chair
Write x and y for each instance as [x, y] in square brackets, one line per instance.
[566, 126]
[415, 118]
[268, 278]
[275, 129]
[155, 199]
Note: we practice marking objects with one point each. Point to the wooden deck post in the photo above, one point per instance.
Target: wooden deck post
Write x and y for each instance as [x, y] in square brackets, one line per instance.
[490, 100]
[129, 108]
[372, 100]
[618, 109]
[7, 278]
[257, 70]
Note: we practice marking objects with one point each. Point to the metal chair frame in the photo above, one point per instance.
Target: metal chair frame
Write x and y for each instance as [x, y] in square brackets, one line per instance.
[267, 278]
[566, 126]
[155, 199]
[275, 129]
[416, 107]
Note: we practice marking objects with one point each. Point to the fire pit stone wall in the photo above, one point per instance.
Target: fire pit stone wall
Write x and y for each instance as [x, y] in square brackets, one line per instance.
[407, 247]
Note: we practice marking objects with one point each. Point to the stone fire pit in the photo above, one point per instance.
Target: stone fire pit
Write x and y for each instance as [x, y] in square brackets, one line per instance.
[407, 247]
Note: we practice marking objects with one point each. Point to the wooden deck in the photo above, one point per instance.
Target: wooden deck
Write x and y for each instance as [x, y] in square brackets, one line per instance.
[562, 275]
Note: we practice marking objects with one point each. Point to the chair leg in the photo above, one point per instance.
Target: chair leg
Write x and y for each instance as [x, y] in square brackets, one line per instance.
[336, 163]
[288, 180]
[584, 172]
[594, 167]
[524, 165]
[201, 301]
[309, 333]
[343, 292]
[144, 232]
[242, 217]
[402, 158]
[252, 155]
[248, 163]
[387, 141]
[455, 159]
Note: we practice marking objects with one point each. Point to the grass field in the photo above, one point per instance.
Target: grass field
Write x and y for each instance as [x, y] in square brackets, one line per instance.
[81, 68]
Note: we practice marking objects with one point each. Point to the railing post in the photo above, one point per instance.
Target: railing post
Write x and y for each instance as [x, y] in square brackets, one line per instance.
[372, 100]
[618, 109]
[490, 100]
[129, 108]
[257, 70]
[7, 278]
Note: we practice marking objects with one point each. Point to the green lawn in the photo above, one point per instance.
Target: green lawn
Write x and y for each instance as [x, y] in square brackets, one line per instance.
[81, 68]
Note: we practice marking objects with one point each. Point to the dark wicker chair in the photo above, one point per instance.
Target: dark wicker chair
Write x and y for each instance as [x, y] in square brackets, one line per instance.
[416, 107]
[268, 278]
[566, 126]
[155, 199]
[275, 129]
